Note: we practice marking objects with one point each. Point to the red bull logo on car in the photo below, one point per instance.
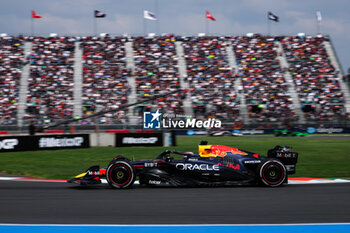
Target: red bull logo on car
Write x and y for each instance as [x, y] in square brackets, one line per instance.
[217, 151]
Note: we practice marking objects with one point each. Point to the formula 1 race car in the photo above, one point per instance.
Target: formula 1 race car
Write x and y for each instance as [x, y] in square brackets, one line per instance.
[214, 165]
[288, 132]
[218, 133]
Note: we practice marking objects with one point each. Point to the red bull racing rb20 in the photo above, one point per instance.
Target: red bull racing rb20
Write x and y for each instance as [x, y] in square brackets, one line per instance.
[214, 165]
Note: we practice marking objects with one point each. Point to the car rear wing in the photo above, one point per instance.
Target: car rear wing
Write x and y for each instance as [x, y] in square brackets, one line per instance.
[286, 156]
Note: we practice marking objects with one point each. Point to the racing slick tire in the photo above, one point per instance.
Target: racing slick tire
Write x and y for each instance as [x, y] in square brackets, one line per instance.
[272, 173]
[120, 174]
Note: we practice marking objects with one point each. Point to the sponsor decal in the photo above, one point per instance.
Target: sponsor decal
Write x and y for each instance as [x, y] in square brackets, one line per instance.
[44, 142]
[197, 132]
[237, 131]
[151, 164]
[199, 167]
[290, 167]
[311, 130]
[154, 182]
[252, 131]
[193, 159]
[252, 161]
[286, 155]
[138, 139]
[330, 130]
[8, 144]
[201, 132]
[156, 120]
[95, 173]
[190, 132]
[229, 165]
[60, 142]
[132, 140]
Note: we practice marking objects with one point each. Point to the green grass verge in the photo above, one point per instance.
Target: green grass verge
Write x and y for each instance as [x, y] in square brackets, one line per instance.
[317, 157]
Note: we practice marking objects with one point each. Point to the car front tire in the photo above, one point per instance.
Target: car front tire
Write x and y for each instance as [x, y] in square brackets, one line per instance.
[120, 174]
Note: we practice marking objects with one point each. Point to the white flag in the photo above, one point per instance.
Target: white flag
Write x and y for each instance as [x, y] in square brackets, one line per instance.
[319, 16]
[149, 15]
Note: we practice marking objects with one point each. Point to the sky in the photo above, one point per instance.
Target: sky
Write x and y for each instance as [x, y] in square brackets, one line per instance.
[185, 17]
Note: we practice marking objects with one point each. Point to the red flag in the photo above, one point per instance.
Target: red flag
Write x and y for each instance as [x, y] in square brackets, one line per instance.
[209, 16]
[35, 16]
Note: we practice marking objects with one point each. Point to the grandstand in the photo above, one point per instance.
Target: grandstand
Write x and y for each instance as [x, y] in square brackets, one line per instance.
[156, 71]
[250, 80]
[105, 73]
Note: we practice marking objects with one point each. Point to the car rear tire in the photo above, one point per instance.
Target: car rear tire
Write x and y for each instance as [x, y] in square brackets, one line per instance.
[120, 174]
[272, 173]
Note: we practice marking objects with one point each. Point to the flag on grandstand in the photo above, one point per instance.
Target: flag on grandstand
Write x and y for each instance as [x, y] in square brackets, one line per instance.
[35, 16]
[272, 16]
[99, 14]
[319, 16]
[149, 15]
[209, 16]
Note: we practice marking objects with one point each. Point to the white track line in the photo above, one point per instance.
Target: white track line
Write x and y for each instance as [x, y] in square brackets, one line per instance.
[9, 178]
[104, 181]
[316, 181]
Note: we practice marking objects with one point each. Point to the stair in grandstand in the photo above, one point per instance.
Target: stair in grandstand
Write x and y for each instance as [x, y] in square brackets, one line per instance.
[78, 79]
[187, 103]
[238, 84]
[23, 89]
[334, 61]
[129, 51]
[291, 87]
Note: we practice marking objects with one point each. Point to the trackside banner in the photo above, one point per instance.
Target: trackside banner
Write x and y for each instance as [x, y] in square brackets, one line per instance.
[44, 142]
[309, 130]
[138, 139]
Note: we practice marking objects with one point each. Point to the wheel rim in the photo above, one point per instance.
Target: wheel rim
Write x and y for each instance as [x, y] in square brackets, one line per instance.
[120, 174]
[273, 173]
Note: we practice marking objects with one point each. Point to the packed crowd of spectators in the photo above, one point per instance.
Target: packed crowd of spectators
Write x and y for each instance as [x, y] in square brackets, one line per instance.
[105, 73]
[316, 80]
[50, 84]
[211, 78]
[11, 61]
[264, 86]
[156, 72]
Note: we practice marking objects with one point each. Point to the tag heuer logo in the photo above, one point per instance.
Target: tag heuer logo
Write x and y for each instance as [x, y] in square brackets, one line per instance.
[151, 120]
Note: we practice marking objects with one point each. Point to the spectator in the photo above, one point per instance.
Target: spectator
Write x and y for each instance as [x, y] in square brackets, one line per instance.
[105, 84]
[264, 86]
[156, 72]
[211, 79]
[50, 97]
[316, 80]
[32, 128]
[11, 57]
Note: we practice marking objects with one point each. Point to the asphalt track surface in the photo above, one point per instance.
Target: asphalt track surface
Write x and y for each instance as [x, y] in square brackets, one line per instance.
[61, 203]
